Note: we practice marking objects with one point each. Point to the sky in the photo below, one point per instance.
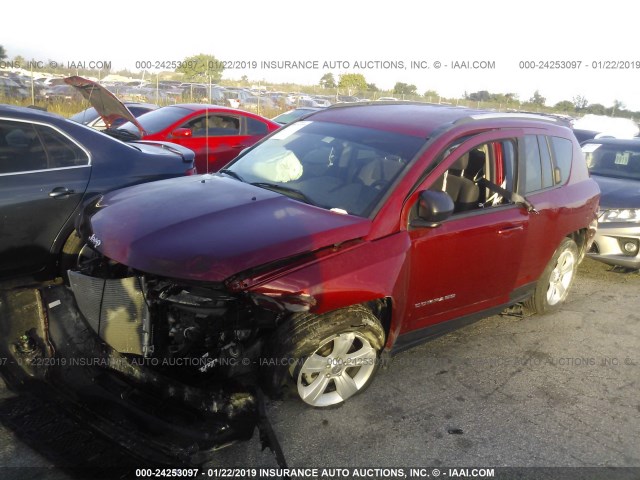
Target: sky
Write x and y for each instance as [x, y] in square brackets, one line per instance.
[384, 38]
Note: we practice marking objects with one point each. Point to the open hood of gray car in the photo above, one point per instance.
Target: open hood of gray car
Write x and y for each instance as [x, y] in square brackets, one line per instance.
[105, 102]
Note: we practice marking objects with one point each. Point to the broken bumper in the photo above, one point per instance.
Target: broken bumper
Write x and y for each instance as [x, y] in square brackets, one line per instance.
[50, 350]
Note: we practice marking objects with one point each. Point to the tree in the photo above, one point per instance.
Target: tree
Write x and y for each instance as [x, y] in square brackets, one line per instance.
[596, 109]
[371, 87]
[328, 81]
[3, 53]
[580, 102]
[480, 96]
[431, 94]
[18, 59]
[401, 88]
[565, 106]
[537, 99]
[353, 82]
[617, 107]
[201, 67]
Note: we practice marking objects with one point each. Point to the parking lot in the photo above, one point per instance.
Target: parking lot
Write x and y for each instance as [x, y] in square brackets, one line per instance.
[556, 390]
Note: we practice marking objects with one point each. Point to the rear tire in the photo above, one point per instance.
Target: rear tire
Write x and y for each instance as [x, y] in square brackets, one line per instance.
[556, 280]
[332, 356]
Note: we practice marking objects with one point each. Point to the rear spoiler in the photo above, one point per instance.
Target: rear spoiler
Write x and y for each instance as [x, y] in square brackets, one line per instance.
[186, 154]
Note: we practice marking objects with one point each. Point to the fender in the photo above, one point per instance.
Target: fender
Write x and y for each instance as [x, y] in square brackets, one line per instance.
[351, 274]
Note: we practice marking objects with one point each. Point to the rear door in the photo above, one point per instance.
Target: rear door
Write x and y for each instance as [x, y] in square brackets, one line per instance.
[544, 171]
[470, 262]
[43, 177]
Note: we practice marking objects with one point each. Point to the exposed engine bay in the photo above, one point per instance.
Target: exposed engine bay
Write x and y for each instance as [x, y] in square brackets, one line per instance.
[176, 364]
[198, 331]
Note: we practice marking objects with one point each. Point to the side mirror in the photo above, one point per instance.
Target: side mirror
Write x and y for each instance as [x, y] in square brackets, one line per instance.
[434, 207]
[182, 132]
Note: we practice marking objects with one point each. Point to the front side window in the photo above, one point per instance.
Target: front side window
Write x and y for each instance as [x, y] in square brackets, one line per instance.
[472, 179]
[341, 167]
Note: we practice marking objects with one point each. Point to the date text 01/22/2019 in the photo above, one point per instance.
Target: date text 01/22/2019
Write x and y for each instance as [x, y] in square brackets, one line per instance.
[315, 473]
[268, 64]
[579, 64]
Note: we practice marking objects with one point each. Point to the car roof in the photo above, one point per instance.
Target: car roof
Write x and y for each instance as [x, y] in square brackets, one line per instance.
[29, 113]
[416, 119]
[152, 106]
[203, 106]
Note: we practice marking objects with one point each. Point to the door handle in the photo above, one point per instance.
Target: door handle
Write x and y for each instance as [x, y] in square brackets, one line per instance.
[510, 228]
[60, 192]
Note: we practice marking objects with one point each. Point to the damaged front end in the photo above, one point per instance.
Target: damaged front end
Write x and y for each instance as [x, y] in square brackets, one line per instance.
[168, 369]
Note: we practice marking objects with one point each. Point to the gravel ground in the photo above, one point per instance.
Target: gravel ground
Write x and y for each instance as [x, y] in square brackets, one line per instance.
[559, 390]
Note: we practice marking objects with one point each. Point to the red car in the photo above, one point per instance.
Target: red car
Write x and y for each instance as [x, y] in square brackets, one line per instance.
[216, 134]
[357, 232]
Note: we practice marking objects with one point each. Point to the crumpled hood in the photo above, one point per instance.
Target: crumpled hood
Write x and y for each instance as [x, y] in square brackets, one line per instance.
[618, 192]
[210, 227]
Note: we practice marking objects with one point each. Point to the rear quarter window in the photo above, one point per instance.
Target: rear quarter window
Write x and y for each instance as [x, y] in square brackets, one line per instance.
[61, 151]
[256, 127]
[562, 155]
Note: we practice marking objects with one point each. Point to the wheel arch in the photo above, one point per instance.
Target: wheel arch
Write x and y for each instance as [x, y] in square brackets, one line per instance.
[581, 237]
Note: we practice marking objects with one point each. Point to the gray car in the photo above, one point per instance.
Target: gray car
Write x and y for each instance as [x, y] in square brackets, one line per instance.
[615, 165]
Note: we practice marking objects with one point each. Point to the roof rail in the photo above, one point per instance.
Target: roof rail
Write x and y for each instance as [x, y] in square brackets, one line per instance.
[515, 116]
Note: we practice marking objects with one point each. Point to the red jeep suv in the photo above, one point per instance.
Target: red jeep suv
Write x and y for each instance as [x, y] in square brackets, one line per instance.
[359, 230]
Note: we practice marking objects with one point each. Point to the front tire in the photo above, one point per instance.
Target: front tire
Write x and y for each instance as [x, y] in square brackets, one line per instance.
[556, 280]
[74, 252]
[333, 356]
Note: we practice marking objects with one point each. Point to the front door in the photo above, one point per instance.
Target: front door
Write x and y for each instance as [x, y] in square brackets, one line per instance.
[471, 261]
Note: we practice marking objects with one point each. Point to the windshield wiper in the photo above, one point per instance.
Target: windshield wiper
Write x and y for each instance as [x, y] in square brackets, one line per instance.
[289, 191]
[120, 134]
[231, 173]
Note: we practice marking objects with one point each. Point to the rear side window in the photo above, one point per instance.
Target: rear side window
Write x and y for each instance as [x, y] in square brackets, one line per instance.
[545, 158]
[20, 148]
[214, 126]
[532, 164]
[562, 155]
[538, 172]
[61, 151]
